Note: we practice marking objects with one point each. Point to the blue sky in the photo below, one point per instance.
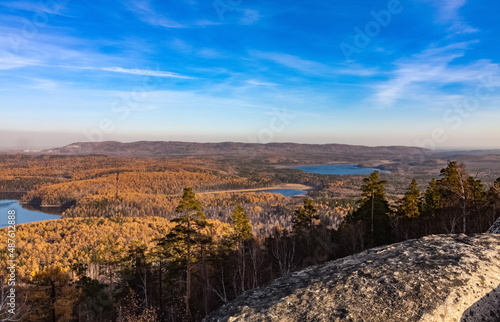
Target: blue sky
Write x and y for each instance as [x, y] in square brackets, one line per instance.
[422, 73]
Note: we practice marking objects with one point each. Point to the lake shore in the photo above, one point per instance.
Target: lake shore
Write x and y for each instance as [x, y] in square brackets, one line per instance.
[294, 186]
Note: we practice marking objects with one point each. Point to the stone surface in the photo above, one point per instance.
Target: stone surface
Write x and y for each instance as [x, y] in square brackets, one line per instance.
[495, 229]
[435, 278]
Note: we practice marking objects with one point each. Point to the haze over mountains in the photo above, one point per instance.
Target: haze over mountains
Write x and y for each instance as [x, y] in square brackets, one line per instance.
[172, 148]
[388, 157]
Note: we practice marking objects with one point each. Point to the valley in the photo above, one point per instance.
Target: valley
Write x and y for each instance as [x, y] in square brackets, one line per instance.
[213, 226]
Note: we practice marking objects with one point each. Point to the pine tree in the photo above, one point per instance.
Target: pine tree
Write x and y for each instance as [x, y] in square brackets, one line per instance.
[241, 224]
[303, 222]
[373, 211]
[241, 236]
[186, 241]
[94, 302]
[432, 200]
[411, 202]
[409, 210]
[493, 202]
[305, 230]
[461, 195]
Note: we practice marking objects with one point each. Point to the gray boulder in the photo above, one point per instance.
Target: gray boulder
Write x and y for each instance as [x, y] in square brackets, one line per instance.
[435, 278]
[495, 229]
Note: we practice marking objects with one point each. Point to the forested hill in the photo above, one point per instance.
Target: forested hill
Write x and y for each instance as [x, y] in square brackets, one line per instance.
[287, 150]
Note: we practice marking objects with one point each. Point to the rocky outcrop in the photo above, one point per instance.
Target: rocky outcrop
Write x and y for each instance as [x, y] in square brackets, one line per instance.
[435, 278]
[495, 229]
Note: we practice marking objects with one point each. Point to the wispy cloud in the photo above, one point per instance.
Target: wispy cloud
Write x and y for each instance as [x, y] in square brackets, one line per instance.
[448, 9]
[205, 22]
[314, 68]
[131, 71]
[249, 17]
[47, 52]
[11, 61]
[429, 70]
[260, 83]
[449, 13]
[143, 72]
[181, 46]
[44, 84]
[357, 70]
[294, 62]
[51, 7]
[145, 12]
[209, 53]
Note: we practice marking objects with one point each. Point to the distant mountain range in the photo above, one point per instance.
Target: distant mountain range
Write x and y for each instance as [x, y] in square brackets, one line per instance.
[252, 150]
[384, 157]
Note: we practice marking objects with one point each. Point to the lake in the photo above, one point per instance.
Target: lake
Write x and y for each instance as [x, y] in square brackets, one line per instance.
[338, 169]
[286, 192]
[23, 215]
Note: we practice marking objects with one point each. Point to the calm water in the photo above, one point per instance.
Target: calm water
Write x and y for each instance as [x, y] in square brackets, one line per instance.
[339, 169]
[23, 215]
[286, 192]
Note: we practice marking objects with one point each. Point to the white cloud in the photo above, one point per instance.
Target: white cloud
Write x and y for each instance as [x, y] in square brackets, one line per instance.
[260, 83]
[180, 45]
[11, 61]
[143, 9]
[312, 67]
[209, 53]
[357, 71]
[51, 7]
[185, 48]
[249, 17]
[146, 13]
[144, 72]
[449, 13]
[205, 22]
[422, 75]
[294, 62]
[44, 84]
[448, 9]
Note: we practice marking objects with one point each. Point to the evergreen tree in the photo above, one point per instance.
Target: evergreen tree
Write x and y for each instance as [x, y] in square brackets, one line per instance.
[241, 224]
[137, 275]
[305, 230]
[373, 211]
[411, 202]
[242, 234]
[461, 196]
[493, 202]
[409, 210]
[185, 242]
[94, 303]
[432, 200]
[494, 193]
[303, 222]
[477, 204]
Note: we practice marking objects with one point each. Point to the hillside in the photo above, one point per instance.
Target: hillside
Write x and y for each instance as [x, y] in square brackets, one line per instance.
[67, 241]
[435, 278]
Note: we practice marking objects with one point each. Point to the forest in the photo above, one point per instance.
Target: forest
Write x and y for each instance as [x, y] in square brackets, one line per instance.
[156, 240]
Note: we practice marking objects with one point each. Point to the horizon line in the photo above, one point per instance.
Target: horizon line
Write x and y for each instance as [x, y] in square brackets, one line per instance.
[50, 147]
